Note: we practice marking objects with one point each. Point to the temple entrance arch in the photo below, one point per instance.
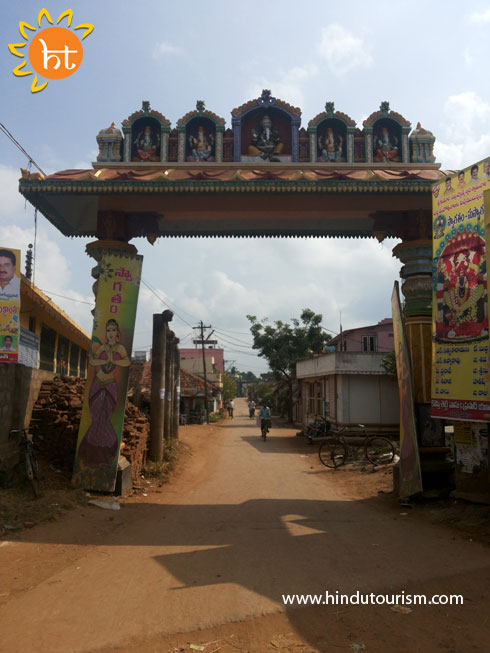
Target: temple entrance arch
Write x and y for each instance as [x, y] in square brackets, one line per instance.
[270, 191]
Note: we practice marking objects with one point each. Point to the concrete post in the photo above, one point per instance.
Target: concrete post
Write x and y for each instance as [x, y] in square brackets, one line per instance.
[176, 390]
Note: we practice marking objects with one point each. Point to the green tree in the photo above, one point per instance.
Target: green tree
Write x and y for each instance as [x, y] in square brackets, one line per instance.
[229, 388]
[284, 344]
[389, 363]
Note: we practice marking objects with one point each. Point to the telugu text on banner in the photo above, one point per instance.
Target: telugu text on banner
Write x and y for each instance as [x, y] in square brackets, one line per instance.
[460, 384]
[9, 304]
[101, 425]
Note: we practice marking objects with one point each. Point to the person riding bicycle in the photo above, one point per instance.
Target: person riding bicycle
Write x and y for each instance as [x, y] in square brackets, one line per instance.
[265, 417]
[251, 408]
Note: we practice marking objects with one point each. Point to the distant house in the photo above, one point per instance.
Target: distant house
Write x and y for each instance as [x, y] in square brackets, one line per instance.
[374, 338]
[348, 385]
[213, 375]
[216, 354]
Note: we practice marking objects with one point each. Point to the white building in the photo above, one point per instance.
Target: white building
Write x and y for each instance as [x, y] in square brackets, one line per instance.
[348, 388]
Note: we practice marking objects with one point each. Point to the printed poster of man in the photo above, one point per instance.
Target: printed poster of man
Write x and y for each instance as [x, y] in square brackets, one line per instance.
[460, 384]
[9, 304]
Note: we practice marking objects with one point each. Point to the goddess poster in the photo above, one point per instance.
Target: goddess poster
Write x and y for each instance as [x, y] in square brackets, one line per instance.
[460, 388]
[99, 437]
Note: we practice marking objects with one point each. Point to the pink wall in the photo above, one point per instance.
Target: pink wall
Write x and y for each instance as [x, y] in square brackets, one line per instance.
[353, 337]
[196, 352]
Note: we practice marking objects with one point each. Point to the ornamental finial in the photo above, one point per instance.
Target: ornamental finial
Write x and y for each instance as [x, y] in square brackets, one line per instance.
[329, 107]
[146, 106]
[385, 107]
[200, 106]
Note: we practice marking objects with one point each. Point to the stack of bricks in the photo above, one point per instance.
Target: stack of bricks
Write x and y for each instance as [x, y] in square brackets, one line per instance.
[57, 413]
[135, 440]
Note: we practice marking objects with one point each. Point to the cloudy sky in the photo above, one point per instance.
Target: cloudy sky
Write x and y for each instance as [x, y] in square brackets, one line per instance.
[428, 60]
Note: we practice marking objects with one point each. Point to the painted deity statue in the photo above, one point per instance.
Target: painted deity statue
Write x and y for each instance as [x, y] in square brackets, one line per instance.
[461, 295]
[330, 145]
[98, 446]
[201, 146]
[266, 142]
[147, 145]
[386, 146]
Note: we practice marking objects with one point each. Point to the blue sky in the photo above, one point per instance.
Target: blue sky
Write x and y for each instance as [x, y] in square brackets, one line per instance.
[428, 59]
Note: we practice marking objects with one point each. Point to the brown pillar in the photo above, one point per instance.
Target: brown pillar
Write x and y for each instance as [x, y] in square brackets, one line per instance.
[157, 401]
[157, 408]
[416, 274]
[176, 390]
[167, 430]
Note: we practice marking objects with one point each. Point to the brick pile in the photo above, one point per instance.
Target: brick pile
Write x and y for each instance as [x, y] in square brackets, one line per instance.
[57, 413]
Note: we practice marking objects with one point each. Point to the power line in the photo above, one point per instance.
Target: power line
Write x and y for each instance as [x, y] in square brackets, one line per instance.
[237, 340]
[79, 301]
[19, 146]
[152, 290]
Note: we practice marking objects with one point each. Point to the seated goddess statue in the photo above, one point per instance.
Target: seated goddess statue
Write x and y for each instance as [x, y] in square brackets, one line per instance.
[265, 141]
[147, 144]
[386, 147]
[201, 146]
[330, 146]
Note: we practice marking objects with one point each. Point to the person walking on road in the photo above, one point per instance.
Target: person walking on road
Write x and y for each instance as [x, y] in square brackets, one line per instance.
[231, 406]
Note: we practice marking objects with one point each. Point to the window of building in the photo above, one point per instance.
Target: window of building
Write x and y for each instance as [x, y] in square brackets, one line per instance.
[369, 343]
[74, 351]
[46, 348]
[62, 355]
[83, 364]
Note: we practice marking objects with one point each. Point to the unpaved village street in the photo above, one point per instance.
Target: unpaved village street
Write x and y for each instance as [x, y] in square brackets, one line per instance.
[242, 523]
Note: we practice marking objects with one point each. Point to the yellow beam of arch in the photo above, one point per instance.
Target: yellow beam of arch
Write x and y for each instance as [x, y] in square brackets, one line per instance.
[35, 88]
[13, 49]
[22, 29]
[88, 29]
[18, 72]
[44, 13]
[66, 13]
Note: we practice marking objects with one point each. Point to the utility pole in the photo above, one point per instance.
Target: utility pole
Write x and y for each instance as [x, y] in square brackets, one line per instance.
[201, 327]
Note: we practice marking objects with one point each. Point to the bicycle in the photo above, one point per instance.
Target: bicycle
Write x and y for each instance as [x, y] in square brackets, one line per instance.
[317, 430]
[265, 425]
[334, 452]
[27, 452]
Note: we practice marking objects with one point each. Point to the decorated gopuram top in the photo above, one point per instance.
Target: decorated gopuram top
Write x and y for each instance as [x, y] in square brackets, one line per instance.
[142, 166]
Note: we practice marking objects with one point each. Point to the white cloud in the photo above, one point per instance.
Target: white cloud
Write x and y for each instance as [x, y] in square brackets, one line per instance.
[12, 201]
[164, 49]
[480, 17]
[288, 85]
[343, 51]
[465, 138]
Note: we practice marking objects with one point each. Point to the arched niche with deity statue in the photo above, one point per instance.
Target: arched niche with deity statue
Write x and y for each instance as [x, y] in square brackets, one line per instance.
[266, 130]
[200, 136]
[145, 136]
[331, 136]
[386, 137]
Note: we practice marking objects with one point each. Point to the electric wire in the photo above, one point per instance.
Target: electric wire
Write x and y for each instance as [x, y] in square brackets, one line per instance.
[152, 290]
[19, 146]
[79, 301]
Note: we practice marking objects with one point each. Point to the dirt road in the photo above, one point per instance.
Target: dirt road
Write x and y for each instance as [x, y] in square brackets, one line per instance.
[244, 523]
